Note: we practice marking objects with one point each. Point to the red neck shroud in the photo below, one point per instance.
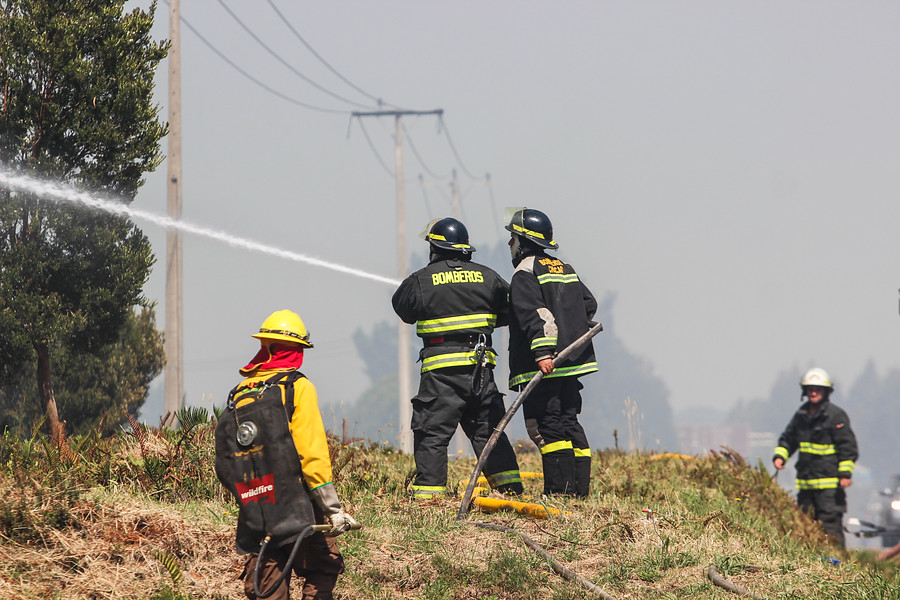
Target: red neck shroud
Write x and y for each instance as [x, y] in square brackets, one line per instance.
[274, 357]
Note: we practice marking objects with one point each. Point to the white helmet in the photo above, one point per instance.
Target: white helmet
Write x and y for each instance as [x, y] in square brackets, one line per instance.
[816, 377]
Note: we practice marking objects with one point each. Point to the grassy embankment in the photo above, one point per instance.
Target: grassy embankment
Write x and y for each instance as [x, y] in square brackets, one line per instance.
[142, 516]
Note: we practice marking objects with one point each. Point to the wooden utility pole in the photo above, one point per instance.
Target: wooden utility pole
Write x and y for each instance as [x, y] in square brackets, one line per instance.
[404, 370]
[174, 373]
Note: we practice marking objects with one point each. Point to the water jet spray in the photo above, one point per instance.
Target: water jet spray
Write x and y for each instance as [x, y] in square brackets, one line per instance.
[60, 193]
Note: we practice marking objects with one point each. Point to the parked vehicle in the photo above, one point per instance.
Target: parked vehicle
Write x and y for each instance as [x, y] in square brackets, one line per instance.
[890, 513]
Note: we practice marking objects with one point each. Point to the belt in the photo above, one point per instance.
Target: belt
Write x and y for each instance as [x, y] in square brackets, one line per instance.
[455, 340]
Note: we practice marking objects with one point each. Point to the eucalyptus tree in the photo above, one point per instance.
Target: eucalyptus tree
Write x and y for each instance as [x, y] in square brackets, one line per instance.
[76, 106]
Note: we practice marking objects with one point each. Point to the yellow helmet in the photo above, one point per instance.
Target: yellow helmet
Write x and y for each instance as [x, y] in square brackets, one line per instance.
[286, 326]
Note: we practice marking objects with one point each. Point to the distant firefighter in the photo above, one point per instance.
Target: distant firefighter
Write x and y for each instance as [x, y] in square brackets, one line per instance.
[821, 432]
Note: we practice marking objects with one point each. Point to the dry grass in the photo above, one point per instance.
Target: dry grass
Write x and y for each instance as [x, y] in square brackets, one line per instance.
[112, 540]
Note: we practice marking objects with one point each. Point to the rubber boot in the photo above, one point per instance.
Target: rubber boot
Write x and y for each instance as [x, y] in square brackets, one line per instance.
[559, 472]
[582, 476]
[514, 489]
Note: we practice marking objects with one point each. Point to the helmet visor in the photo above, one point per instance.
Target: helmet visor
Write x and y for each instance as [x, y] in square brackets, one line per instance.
[509, 213]
[427, 231]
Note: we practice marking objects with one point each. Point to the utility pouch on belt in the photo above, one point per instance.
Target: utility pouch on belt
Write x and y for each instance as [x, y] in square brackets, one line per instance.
[257, 461]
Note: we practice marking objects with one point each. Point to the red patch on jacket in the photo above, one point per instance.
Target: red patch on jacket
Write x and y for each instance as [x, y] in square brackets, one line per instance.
[839, 425]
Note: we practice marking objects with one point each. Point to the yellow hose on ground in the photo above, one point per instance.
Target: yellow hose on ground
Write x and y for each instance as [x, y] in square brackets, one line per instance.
[537, 511]
[672, 455]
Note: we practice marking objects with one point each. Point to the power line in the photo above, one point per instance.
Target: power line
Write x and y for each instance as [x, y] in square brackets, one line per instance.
[374, 150]
[284, 62]
[379, 101]
[254, 79]
[453, 148]
[418, 157]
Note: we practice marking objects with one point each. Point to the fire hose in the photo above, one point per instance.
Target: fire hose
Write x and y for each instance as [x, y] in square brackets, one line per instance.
[727, 585]
[498, 430]
[489, 446]
[308, 530]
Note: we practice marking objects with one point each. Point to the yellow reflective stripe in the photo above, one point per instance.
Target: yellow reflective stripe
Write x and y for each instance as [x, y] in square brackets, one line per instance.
[782, 452]
[428, 491]
[556, 447]
[817, 484]
[817, 449]
[544, 341]
[456, 323]
[558, 372]
[556, 278]
[846, 466]
[437, 236]
[582, 452]
[520, 229]
[504, 478]
[454, 359]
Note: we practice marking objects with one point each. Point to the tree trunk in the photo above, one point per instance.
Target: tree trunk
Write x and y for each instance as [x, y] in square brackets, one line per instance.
[45, 385]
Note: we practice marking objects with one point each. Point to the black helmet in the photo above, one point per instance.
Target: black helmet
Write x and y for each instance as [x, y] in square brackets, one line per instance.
[534, 226]
[448, 234]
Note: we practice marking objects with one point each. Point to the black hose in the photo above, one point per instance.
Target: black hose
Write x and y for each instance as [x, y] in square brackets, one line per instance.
[560, 569]
[290, 562]
[725, 584]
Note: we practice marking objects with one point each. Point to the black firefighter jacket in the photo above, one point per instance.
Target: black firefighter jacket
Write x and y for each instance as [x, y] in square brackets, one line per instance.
[826, 443]
[452, 301]
[549, 309]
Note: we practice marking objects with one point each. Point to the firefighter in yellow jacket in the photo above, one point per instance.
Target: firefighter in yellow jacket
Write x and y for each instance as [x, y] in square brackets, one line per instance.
[283, 338]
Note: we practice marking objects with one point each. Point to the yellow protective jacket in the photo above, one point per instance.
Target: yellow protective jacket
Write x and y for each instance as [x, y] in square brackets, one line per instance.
[306, 426]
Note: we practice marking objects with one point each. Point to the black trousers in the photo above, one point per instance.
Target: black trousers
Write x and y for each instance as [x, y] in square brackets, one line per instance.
[828, 507]
[551, 418]
[445, 399]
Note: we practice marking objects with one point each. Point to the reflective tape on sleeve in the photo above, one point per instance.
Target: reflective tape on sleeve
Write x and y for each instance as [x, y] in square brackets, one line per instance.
[574, 371]
[543, 341]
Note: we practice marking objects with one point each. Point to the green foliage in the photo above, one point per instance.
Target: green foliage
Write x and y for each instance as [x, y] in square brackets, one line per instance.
[94, 390]
[77, 107]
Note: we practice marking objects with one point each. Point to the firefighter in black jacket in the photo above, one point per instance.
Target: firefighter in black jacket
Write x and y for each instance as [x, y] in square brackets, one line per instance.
[549, 309]
[456, 304]
[821, 432]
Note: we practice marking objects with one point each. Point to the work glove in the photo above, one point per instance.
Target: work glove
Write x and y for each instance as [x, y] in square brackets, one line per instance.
[326, 498]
